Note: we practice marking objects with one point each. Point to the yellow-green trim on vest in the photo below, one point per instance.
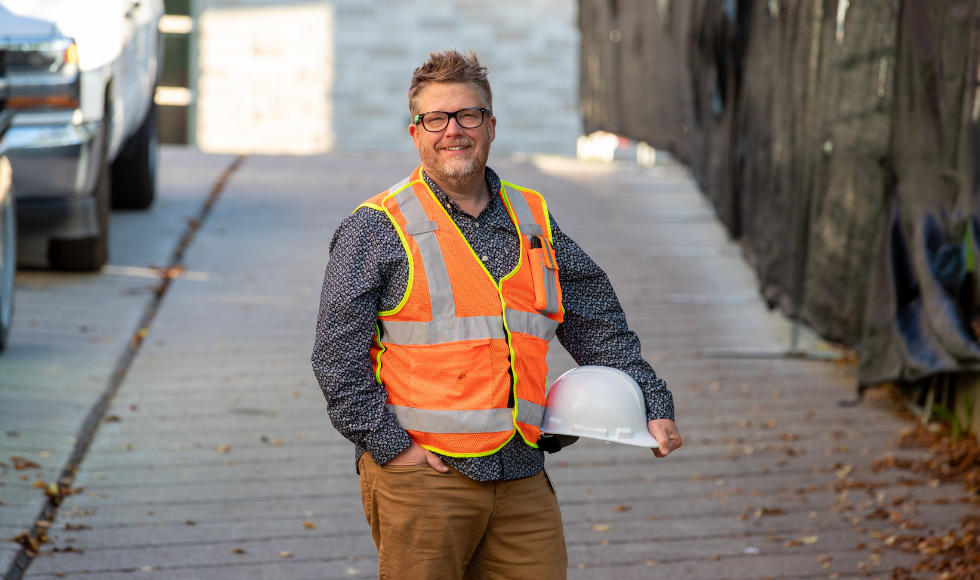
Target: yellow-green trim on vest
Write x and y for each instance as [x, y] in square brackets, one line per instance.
[381, 351]
[544, 208]
[435, 449]
[510, 345]
[408, 254]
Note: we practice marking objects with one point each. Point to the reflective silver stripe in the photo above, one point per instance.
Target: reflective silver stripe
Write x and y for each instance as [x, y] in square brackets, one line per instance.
[438, 421]
[551, 292]
[421, 227]
[400, 184]
[444, 330]
[530, 413]
[531, 323]
[532, 229]
[433, 262]
[522, 210]
[405, 193]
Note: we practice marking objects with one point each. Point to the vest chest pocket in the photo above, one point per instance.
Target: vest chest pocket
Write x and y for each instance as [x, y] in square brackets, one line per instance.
[544, 275]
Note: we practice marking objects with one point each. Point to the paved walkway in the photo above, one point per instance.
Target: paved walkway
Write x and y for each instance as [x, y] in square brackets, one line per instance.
[71, 329]
[223, 464]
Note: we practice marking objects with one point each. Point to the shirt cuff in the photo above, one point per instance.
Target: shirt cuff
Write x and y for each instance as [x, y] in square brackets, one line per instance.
[387, 441]
[660, 402]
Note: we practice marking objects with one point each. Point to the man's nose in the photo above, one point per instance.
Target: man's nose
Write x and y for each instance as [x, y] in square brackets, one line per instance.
[453, 128]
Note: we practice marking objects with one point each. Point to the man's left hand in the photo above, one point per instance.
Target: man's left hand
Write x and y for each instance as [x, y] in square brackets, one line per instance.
[667, 436]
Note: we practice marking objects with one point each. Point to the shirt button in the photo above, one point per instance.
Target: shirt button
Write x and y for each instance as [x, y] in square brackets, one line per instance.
[485, 258]
[477, 224]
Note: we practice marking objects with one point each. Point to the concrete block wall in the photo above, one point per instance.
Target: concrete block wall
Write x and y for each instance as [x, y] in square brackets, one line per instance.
[264, 81]
[368, 50]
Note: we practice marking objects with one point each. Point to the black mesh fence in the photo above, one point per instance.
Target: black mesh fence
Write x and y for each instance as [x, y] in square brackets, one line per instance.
[838, 142]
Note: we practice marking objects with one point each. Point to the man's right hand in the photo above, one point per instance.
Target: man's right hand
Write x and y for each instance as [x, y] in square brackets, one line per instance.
[415, 454]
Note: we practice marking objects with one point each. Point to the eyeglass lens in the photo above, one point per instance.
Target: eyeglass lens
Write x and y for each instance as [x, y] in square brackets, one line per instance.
[467, 119]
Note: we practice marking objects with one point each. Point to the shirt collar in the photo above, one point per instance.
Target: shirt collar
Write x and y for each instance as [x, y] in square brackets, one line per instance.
[493, 182]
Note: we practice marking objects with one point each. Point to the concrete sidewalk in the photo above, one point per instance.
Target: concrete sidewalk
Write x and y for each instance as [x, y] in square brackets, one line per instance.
[220, 461]
[69, 331]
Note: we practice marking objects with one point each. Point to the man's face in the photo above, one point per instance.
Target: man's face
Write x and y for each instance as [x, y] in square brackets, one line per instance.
[454, 154]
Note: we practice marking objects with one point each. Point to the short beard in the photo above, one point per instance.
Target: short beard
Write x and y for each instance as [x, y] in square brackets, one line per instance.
[459, 172]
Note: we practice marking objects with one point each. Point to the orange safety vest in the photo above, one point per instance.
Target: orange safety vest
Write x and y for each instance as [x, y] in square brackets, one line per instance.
[459, 347]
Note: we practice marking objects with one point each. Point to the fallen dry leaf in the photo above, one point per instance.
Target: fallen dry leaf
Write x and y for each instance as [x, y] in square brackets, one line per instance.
[285, 554]
[237, 551]
[601, 528]
[223, 448]
[309, 525]
[75, 527]
[21, 463]
[768, 512]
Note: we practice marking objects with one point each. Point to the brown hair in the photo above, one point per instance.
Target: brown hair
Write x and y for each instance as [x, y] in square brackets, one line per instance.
[449, 66]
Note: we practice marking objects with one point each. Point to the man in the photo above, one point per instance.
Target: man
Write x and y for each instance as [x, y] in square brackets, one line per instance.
[438, 302]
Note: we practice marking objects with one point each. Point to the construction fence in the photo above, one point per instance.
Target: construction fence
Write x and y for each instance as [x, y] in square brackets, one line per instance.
[837, 140]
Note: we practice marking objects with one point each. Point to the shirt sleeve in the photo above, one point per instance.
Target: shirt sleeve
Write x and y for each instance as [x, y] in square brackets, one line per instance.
[353, 290]
[594, 330]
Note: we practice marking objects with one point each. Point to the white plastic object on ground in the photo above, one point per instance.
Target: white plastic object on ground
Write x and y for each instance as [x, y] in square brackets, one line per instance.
[598, 403]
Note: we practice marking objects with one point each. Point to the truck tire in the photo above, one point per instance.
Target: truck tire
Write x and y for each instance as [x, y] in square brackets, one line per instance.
[8, 265]
[87, 254]
[134, 172]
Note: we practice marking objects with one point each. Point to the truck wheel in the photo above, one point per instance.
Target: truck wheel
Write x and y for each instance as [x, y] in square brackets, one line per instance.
[87, 254]
[8, 264]
[134, 172]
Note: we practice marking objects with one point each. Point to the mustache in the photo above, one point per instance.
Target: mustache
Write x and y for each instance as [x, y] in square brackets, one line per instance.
[457, 143]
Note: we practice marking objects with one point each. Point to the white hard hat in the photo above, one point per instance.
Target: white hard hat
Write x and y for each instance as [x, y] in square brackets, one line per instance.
[598, 403]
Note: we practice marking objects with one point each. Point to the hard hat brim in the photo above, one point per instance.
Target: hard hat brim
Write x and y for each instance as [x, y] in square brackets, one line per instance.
[639, 440]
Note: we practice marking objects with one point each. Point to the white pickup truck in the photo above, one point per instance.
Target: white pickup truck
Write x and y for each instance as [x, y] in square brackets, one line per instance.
[80, 76]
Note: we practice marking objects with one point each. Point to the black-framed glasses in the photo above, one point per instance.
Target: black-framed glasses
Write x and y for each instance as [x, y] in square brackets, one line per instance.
[435, 121]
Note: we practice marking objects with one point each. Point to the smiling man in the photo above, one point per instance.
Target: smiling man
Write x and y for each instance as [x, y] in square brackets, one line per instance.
[438, 303]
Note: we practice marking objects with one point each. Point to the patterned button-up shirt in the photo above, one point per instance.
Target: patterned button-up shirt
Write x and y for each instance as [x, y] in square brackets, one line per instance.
[368, 272]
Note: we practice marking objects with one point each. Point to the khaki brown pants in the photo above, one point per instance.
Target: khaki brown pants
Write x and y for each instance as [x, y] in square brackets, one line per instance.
[429, 525]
